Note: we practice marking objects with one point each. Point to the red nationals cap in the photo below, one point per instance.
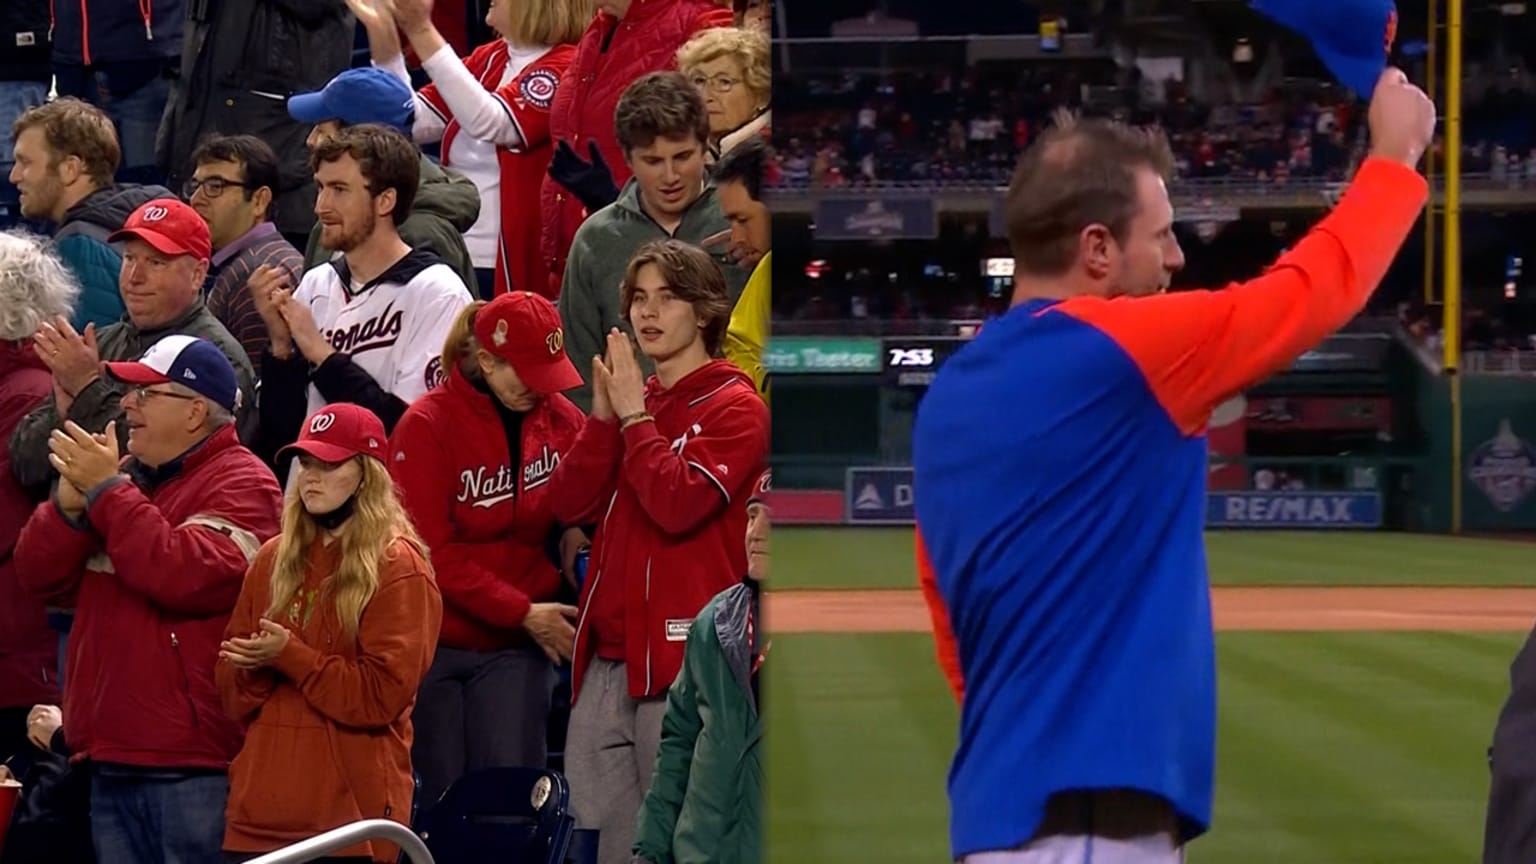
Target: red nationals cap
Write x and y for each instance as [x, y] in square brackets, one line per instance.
[523, 329]
[170, 226]
[338, 432]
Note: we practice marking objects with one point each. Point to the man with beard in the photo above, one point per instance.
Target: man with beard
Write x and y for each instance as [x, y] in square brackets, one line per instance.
[367, 327]
[66, 154]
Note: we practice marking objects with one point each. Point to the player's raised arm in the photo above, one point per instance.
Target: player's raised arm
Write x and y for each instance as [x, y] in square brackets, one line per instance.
[1197, 348]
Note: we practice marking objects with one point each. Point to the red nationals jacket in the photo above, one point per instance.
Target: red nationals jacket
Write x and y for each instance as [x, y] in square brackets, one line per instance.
[671, 497]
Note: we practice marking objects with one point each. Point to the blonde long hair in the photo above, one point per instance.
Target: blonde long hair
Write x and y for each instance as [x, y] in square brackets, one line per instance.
[378, 519]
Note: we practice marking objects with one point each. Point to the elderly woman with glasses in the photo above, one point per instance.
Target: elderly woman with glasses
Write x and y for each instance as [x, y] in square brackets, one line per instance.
[731, 68]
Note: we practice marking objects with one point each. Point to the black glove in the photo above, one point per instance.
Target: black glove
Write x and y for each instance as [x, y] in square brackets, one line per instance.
[591, 182]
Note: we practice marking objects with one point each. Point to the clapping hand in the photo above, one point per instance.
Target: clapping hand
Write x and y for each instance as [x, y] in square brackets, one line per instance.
[71, 356]
[257, 651]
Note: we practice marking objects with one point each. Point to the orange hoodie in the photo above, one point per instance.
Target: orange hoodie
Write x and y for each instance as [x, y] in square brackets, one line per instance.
[329, 722]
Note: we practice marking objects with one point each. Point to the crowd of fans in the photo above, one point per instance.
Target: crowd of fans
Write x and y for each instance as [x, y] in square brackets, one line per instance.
[969, 125]
[325, 459]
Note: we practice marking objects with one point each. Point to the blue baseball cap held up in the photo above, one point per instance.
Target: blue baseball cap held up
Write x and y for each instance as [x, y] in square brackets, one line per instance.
[1351, 37]
[364, 95]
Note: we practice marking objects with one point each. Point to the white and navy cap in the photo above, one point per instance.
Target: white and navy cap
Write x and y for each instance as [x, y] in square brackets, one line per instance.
[195, 364]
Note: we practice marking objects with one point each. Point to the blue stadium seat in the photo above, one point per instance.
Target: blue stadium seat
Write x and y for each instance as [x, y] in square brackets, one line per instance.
[583, 848]
[510, 815]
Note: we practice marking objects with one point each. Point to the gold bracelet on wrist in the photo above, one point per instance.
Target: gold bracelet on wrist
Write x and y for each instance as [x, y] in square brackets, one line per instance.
[629, 420]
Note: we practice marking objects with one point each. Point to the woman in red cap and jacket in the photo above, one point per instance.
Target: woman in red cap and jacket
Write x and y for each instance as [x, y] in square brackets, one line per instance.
[335, 627]
[473, 459]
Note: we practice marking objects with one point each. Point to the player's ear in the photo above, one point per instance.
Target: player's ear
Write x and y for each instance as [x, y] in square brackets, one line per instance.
[1096, 250]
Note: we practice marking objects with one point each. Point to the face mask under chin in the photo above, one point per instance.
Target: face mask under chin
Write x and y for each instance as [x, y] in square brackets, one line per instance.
[334, 519]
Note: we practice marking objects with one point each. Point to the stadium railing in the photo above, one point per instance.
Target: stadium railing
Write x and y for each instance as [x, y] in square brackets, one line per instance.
[321, 845]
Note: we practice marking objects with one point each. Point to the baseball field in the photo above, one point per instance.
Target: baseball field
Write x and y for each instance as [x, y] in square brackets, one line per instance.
[1360, 678]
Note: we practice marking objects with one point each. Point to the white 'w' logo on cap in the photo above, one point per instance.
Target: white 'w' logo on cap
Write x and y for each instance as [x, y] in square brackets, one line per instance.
[321, 422]
[156, 213]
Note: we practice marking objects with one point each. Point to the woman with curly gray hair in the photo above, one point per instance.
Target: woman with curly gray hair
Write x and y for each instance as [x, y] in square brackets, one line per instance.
[34, 287]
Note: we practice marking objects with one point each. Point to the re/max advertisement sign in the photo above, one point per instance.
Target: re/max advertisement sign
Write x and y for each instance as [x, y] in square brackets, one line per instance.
[884, 495]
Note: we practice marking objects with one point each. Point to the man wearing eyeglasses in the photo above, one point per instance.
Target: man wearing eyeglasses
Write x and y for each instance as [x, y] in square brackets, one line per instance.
[153, 549]
[232, 189]
[165, 258]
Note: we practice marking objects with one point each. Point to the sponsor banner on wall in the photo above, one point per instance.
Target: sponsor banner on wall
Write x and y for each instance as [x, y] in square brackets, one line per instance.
[1293, 510]
[1321, 413]
[1346, 352]
[878, 495]
[870, 218]
[808, 355]
[882, 495]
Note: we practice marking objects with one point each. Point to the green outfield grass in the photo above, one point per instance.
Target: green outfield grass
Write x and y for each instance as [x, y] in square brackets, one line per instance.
[1333, 748]
[842, 557]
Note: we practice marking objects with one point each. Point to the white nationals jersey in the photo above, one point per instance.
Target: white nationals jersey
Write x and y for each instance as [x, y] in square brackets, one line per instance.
[393, 327]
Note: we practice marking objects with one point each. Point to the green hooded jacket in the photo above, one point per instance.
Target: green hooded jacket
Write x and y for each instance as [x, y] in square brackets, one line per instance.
[705, 801]
[447, 204]
[594, 273]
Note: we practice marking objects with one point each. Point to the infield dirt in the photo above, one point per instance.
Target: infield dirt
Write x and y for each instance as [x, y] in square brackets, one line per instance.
[1486, 610]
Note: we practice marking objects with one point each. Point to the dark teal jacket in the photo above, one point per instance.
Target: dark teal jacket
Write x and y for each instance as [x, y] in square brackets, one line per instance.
[81, 242]
[705, 801]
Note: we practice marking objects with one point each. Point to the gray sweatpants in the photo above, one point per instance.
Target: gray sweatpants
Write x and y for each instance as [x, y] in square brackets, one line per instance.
[480, 710]
[610, 754]
[1155, 849]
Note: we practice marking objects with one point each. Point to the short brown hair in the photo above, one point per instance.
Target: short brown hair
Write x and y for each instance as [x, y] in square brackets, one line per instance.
[660, 105]
[549, 22]
[1079, 172]
[387, 159]
[691, 275]
[76, 128]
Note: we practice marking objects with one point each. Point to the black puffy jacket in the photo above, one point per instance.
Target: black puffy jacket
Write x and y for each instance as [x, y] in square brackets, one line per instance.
[240, 63]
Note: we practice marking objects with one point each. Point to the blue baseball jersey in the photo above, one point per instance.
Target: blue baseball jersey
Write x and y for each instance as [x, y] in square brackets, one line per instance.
[1060, 475]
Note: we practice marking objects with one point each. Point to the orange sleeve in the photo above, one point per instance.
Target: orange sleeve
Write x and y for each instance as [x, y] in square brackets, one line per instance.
[943, 634]
[244, 691]
[1198, 348]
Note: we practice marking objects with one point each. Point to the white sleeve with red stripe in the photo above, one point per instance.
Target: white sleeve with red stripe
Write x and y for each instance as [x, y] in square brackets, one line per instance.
[482, 115]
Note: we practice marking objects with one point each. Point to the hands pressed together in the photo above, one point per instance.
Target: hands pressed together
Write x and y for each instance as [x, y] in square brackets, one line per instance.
[618, 385]
[84, 461]
[290, 323]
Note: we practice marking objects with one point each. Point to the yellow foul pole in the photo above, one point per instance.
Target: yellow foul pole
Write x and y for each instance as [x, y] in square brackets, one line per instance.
[1452, 262]
[1431, 235]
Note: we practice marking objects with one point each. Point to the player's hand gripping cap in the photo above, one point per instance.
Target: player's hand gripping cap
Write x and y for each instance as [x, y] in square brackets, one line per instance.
[1351, 37]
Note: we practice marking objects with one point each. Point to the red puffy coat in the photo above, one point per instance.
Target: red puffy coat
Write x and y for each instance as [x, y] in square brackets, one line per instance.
[156, 574]
[611, 55]
[29, 648]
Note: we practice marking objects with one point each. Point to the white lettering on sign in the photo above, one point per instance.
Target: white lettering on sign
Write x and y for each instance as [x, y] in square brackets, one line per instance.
[911, 356]
[1289, 508]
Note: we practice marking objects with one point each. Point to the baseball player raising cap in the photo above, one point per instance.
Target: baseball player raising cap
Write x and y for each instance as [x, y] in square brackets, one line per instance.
[168, 225]
[193, 363]
[523, 329]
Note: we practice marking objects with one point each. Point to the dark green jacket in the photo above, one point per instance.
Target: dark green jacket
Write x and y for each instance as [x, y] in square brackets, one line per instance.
[705, 801]
[594, 274]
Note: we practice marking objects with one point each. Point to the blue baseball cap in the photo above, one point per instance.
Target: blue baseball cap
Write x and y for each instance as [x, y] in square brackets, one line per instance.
[1351, 37]
[364, 95]
[194, 363]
